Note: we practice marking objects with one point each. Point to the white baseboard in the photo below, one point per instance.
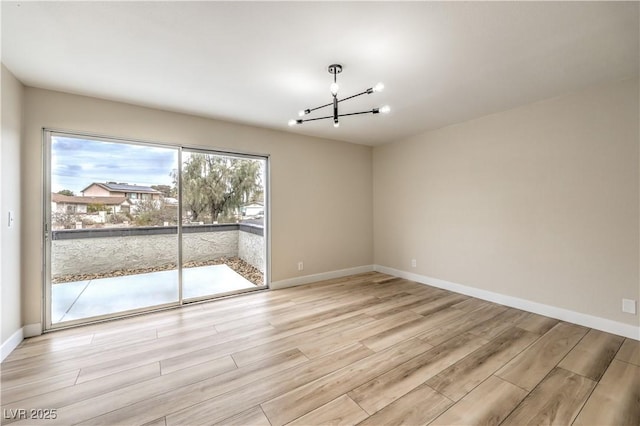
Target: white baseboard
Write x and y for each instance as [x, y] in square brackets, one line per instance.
[16, 338]
[31, 330]
[11, 343]
[307, 279]
[602, 324]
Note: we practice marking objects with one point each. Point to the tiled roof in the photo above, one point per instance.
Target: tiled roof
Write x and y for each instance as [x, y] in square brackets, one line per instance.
[124, 187]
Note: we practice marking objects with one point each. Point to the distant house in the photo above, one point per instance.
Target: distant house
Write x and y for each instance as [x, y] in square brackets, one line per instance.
[80, 205]
[134, 193]
[170, 201]
[252, 210]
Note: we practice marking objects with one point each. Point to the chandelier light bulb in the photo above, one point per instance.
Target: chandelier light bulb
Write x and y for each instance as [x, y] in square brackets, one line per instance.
[385, 109]
[334, 88]
[378, 87]
[292, 122]
[336, 124]
[301, 113]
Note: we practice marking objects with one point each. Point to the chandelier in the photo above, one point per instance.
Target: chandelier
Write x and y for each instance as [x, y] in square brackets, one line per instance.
[336, 69]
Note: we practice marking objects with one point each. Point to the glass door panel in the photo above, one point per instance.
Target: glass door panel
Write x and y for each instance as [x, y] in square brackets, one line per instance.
[223, 224]
[112, 228]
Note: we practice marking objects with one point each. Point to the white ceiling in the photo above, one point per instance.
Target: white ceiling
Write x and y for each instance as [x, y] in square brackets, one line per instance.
[260, 62]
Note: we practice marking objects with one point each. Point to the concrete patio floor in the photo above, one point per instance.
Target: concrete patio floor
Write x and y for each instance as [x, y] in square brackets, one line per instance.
[90, 298]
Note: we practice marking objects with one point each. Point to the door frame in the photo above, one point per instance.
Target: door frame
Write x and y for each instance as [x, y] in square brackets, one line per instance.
[46, 240]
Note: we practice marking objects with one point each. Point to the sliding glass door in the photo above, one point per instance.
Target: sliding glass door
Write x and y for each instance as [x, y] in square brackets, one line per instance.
[223, 240]
[131, 227]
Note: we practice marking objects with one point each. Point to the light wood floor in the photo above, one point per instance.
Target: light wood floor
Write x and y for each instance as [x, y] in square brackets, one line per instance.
[367, 349]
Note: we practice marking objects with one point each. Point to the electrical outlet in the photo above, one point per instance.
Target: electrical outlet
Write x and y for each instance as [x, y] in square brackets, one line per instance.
[413, 263]
[629, 306]
[300, 266]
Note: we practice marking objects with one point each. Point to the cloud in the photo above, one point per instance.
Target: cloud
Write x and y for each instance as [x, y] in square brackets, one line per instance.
[68, 170]
[62, 144]
[76, 163]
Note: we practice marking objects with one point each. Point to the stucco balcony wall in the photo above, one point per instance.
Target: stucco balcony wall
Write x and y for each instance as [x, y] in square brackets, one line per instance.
[90, 251]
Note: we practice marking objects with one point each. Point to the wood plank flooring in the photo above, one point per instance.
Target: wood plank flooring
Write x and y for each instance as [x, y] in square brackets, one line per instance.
[368, 349]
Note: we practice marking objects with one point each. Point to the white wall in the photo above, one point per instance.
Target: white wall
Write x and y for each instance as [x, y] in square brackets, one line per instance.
[321, 199]
[10, 307]
[539, 202]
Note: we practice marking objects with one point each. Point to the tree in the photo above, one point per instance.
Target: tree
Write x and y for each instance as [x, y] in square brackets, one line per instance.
[66, 192]
[166, 190]
[65, 220]
[154, 213]
[193, 178]
[217, 185]
[96, 207]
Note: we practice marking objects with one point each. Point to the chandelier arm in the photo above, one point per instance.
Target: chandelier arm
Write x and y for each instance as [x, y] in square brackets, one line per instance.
[339, 100]
[317, 118]
[321, 106]
[371, 111]
[353, 96]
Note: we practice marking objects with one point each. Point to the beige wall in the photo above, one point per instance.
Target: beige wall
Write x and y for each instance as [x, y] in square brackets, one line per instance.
[321, 199]
[11, 113]
[539, 202]
[98, 191]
